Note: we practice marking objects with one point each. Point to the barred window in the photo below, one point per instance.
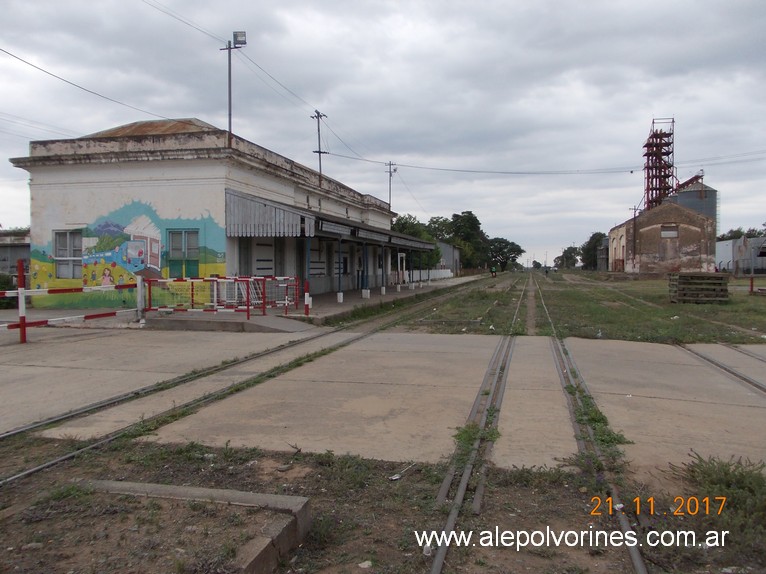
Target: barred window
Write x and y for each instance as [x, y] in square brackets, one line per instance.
[67, 254]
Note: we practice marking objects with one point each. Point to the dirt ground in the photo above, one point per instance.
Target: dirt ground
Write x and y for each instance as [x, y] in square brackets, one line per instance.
[363, 521]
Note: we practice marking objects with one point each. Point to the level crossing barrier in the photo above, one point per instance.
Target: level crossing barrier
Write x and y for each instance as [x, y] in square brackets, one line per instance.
[21, 294]
[222, 294]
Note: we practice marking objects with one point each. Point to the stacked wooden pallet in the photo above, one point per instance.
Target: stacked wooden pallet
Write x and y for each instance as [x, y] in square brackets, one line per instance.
[689, 287]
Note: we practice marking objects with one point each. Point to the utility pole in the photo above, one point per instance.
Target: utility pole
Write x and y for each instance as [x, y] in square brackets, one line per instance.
[318, 117]
[239, 40]
[635, 239]
[391, 172]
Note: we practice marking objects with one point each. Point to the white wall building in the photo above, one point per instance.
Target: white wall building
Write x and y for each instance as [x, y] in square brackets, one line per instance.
[179, 198]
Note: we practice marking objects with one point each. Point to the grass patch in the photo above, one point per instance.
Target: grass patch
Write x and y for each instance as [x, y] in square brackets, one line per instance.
[743, 483]
[640, 310]
[743, 515]
[68, 492]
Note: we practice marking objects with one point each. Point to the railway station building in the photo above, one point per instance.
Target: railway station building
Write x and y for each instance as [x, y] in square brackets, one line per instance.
[182, 198]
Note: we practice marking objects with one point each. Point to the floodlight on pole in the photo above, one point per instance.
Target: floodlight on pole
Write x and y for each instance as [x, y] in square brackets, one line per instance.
[238, 40]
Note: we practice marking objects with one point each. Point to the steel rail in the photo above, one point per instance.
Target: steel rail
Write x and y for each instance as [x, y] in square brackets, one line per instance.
[159, 386]
[750, 354]
[758, 385]
[636, 559]
[374, 325]
[497, 367]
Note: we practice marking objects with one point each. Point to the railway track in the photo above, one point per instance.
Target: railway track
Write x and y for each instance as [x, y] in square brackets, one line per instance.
[465, 479]
[470, 460]
[729, 370]
[356, 331]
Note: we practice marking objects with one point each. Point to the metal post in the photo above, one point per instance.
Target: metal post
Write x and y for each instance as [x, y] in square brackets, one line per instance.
[239, 41]
[21, 283]
[339, 265]
[247, 297]
[263, 296]
[307, 285]
[140, 306]
[318, 117]
[228, 135]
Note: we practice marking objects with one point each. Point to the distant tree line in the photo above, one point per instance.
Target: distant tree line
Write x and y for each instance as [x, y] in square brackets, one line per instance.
[587, 253]
[739, 232]
[463, 231]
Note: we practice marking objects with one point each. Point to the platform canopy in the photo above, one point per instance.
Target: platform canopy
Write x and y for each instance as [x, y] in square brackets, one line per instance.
[251, 216]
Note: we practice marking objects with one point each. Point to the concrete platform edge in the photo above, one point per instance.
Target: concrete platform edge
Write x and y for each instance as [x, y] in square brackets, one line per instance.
[260, 555]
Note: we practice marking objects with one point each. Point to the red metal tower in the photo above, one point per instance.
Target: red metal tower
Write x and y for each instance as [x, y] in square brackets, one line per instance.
[659, 172]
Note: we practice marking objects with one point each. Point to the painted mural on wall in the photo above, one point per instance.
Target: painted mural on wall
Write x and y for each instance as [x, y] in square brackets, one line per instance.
[121, 245]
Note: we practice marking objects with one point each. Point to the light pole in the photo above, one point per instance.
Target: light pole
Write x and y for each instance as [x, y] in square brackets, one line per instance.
[239, 39]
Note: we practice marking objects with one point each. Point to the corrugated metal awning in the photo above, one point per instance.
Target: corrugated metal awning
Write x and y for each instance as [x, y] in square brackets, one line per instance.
[250, 216]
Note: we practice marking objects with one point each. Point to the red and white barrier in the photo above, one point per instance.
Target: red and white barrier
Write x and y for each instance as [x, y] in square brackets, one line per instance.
[187, 295]
[21, 293]
[222, 294]
[60, 320]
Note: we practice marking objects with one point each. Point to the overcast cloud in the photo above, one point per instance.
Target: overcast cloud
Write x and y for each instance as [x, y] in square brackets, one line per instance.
[481, 86]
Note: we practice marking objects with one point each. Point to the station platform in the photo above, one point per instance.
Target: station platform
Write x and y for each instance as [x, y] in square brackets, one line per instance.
[294, 318]
[276, 320]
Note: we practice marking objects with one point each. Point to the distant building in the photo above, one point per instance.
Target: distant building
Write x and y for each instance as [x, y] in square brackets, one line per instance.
[14, 245]
[450, 258]
[741, 256]
[602, 255]
[668, 238]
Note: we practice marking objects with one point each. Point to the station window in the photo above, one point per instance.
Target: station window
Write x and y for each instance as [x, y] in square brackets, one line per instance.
[668, 231]
[67, 248]
[183, 253]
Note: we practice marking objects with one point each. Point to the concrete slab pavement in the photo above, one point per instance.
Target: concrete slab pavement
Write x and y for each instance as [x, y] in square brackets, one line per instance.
[66, 369]
[669, 403]
[534, 418]
[393, 396]
[741, 363]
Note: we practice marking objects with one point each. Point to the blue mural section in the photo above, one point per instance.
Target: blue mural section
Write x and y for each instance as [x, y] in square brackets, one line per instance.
[129, 242]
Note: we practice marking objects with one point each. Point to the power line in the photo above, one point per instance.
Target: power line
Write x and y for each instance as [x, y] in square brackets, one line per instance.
[404, 183]
[79, 87]
[168, 12]
[26, 122]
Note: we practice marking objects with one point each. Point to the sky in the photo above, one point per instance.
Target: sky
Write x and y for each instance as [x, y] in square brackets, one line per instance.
[532, 115]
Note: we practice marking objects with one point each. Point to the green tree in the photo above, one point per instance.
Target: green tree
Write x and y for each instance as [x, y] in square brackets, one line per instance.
[739, 232]
[440, 228]
[731, 234]
[503, 252]
[568, 258]
[589, 250]
[409, 225]
[466, 227]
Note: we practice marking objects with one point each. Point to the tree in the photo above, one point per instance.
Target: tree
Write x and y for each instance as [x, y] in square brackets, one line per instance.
[739, 232]
[589, 250]
[409, 225]
[440, 228]
[731, 234]
[467, 228]
[503, 251]
[753, 232]
[568, 259]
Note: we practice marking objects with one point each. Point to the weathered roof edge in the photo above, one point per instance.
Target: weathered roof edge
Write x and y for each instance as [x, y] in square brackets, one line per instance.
[155, 127]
